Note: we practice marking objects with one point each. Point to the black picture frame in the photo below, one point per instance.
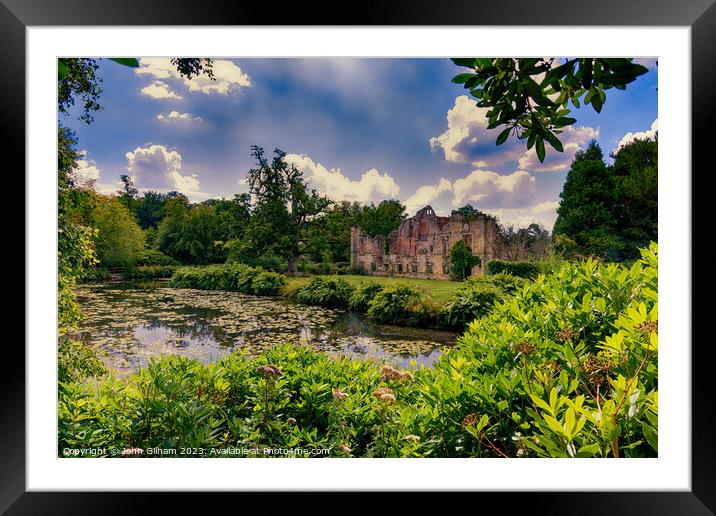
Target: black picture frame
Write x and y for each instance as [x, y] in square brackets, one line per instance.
[699, 15]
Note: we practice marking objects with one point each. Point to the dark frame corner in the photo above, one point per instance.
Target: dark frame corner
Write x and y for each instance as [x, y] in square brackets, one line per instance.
[700, 15]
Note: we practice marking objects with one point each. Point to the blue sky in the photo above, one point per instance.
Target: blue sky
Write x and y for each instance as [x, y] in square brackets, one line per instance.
[360, 129]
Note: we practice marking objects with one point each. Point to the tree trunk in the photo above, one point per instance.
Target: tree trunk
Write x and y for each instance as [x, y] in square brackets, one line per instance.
[293, 264]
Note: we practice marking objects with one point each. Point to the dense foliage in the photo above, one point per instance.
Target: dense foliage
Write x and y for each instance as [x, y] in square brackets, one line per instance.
[327, 292]
[233, 277]
[119, 239]
[526, 269]
[404, 305]
[363, 295]
[383, 218]
[462, 261]
[565, 367]
[469, 303]
[507, 283]
[609, 211]
[75, 250]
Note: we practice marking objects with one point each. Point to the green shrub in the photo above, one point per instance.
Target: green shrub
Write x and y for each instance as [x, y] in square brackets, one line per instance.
[404, 305]
[327, 292]
[234, 277]
[362, 296]
[289, 397]
[469, 303]
[565, 367]
[529, 270]
[267, 283]
[77, 361]
[154, 257]
[507, 283]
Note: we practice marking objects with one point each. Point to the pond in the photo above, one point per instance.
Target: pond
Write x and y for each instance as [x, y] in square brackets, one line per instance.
[130, 322]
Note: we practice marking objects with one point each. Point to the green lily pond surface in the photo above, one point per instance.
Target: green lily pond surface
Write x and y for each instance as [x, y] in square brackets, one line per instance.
[130, 322]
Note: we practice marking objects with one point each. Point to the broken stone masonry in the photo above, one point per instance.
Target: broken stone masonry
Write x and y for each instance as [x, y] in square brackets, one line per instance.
[420, 247]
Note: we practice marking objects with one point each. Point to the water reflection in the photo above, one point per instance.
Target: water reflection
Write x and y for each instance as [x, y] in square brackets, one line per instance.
[131, 322]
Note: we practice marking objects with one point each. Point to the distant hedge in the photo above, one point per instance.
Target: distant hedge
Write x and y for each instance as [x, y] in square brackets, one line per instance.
[234, 277]
[529, 270]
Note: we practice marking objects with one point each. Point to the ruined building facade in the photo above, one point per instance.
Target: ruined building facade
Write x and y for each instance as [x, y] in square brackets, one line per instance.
[420, 247]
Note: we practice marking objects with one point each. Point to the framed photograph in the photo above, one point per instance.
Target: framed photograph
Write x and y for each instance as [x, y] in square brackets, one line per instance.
[401, 255]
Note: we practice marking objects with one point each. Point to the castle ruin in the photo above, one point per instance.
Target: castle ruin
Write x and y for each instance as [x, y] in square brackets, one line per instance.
[420, 247]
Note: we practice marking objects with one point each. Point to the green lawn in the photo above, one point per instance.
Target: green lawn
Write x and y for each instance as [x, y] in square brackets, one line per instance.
[440, 290]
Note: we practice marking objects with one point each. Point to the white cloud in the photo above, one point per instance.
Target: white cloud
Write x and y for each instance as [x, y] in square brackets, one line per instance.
[643, 135]
[228, 76]
[158, 168]
[572, 138]
[430, 194]
[177, 117]
[160, 90]
[372, 186]
[544, 213]
[467, 139]
[486, 189]
[649, 62]
[86, 170]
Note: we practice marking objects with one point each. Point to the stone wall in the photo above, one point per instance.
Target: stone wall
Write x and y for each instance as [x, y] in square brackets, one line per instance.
[420, 247]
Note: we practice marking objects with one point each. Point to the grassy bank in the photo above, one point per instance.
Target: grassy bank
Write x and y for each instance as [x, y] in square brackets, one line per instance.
[440, 290]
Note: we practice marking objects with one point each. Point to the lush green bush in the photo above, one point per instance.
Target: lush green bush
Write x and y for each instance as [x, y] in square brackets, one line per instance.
[150, 271]
[566, 367]
[267, 283]
[289, 397]
[154, 257]
[327, 292]
[404, 305]
[469, 303]
[529, 270]
[233, 277]
[507, 283]
[77, 361]
[363, 295]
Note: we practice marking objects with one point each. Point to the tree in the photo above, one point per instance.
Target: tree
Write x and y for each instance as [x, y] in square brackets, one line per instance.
[74, 241]
[514, 244]
[462, 261]
[149, 209]
[635, 169]
[329, 235]
[530, 96]
[382, 219]
[286, 201]
[585, 213]
[199, 235]
[119, 239]
[169, 231]
[232, 215]
[469, 212]
[128, 194]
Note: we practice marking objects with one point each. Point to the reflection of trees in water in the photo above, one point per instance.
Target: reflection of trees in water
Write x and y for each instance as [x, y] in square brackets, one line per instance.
[194, 328]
